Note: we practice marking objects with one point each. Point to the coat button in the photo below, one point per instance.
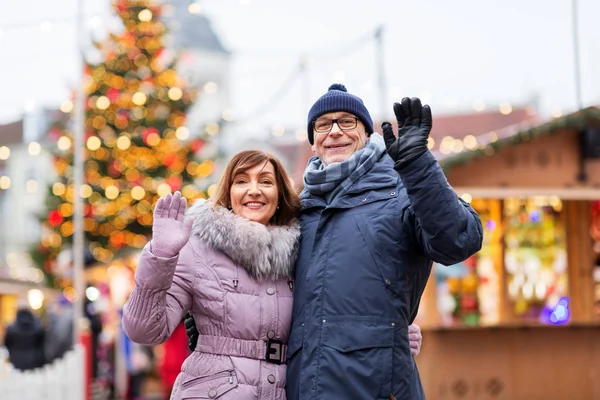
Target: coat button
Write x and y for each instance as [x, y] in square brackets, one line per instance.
[212, 394]
[393, 193]
[388, 282]
[365, 199]
[271, 378]
[271, 334]
[270, 291]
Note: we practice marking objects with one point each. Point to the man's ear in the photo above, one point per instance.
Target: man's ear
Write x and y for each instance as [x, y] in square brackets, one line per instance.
[313, 148]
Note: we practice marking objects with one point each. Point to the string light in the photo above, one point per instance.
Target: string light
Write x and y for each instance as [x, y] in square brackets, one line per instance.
[111, 192]
[94, 143]
[457, 145]
[212, 128]
[31, 186]
[163, 189]
[557, 112]
[4, 182]
[175, 93]
[182, 133]
[34, 148]
[195, 8]
[466, 197]
[479, 106]
[66, 106]
[470, 142]
[505, 108]
[430, 143]
[139, 99]
[63, 143]
[58, 189]
[227, 114]
[123, 142]
[138, 193]
[145, 15]
[210, 87]
[85, 191]
[102, 103]
[4, 153]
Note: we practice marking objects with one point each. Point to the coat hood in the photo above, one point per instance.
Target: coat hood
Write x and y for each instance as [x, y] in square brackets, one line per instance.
[25, 318]
[266, 252]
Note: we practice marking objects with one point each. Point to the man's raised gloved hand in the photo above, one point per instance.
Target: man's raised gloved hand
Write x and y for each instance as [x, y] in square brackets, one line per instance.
[414, 125]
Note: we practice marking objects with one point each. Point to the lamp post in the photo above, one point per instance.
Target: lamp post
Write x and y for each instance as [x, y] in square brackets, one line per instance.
[78, 147]
[380, 64]
[575, 27]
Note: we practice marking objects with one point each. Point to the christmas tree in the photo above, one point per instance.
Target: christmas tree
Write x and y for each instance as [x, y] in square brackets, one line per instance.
[137, 146]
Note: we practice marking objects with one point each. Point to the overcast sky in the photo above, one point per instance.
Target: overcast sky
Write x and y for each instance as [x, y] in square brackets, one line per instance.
[450, 53]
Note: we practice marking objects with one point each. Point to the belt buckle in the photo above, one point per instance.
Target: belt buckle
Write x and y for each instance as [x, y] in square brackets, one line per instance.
[273, 351]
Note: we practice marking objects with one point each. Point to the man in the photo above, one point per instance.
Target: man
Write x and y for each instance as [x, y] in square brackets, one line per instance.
[376, 212]
[24, 340]
[59, 334]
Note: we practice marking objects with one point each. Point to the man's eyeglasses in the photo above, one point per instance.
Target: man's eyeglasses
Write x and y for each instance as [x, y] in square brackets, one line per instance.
[325, 125]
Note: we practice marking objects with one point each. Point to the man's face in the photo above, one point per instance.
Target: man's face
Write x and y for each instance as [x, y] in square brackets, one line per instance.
[338, 145]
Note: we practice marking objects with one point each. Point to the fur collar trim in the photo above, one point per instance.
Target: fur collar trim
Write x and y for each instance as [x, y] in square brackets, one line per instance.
[266, 252]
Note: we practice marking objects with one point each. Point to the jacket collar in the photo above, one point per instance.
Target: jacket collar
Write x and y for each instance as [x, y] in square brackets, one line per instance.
[266, 252]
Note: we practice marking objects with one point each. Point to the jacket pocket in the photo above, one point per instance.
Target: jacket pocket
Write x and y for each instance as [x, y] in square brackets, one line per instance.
[357, 359]
[210, 386]
[383, 239]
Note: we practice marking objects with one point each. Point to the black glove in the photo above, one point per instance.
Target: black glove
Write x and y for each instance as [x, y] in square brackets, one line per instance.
[414, 125]
[191, 331]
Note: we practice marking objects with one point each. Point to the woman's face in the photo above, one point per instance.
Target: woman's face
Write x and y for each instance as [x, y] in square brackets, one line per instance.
[254, 193]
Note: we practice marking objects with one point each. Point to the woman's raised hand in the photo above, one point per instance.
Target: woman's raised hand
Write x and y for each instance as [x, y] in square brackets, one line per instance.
[170, 232]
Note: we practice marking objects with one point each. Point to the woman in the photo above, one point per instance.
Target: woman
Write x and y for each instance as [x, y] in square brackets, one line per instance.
[230, 263]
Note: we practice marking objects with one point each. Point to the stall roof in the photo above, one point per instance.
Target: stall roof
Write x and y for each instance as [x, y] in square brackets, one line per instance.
[489, 144]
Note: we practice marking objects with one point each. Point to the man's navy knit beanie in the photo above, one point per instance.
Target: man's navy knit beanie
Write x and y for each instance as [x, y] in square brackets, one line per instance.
[338, 99]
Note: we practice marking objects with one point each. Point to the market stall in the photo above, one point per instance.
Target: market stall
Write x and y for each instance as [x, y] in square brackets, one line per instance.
[521, 318]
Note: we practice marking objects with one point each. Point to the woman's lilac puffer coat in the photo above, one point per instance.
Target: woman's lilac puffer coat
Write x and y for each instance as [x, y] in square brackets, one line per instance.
[234, 277]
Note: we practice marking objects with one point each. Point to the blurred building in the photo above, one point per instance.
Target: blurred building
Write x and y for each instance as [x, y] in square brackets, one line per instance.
[24, 174]
[511, 321]
[11, 136]
[204, 64]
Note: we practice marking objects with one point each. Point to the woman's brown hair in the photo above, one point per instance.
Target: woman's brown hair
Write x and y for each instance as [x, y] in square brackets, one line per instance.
[289, 202]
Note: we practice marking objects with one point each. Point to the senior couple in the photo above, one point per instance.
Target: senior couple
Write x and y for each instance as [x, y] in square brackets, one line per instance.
[309, 296]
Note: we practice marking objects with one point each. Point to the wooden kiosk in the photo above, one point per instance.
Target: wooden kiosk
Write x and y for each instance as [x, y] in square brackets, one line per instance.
[520, 320]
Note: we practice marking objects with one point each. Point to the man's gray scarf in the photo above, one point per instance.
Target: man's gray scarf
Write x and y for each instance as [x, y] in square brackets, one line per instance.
[336, 178]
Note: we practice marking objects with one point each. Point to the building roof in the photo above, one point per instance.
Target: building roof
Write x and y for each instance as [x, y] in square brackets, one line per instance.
[11, 133]
[461, 125]
[490, 144]
[192, 31]
[458, 126]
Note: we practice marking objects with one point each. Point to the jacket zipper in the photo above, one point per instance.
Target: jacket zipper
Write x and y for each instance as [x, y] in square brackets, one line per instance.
[224, 374]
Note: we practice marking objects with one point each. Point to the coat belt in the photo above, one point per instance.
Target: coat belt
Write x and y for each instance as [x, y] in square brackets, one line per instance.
[228, 346]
